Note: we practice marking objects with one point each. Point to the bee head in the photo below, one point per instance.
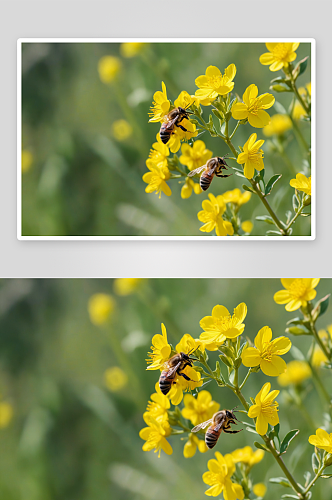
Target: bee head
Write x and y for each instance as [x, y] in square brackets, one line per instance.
[184, 111]
[230, 413]
[221, 161]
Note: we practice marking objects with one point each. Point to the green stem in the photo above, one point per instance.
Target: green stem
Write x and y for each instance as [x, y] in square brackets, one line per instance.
[298, 213]
[319, 383]
[245, 379]
[299, 135]
[315, 333]
[299, 97]
[236, 127]
[310, 485]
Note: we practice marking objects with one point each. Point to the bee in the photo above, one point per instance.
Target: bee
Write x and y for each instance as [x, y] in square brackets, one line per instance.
[173, 367]
[221, 421]
[173, 119]
[213, 167]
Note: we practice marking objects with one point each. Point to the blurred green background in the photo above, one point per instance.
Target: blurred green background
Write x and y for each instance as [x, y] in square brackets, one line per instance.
[75, 437]
[80, 179]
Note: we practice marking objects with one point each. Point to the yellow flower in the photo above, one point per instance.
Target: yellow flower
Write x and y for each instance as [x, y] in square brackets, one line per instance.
[279, 55]
[298, 292]
[131, 49]
[192, 444]
[158, 155]
[161, 350]
[195, 156]
[187, 344]
[155, 435]
[259, 489]
[219, 478]
[278, 125]
[27, 160]
[115, 378]
[247, 226]
[199, 409]
[108, 68]
[236, 197]
[158, 405]
[221, 325]
[302, 183]
[325, 334]
[265, 409]
[181, 385]
[121, 130]
[188, 187]
[253, 107]
[322, 440]
[126, 286]
[318, 358]
[211, 215]
[156, 179]
[252, 156]
[247, 456]
[267, 353]
[296, 372]
[100, 307]
[185, 100]
[6, 414]
[179, 135]
[213, 83]
[160, 105]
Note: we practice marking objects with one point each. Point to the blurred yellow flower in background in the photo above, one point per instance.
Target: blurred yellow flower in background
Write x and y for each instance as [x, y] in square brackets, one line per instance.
[156, 179]
[298, 292]
[298, 110]
[279, 55]
[188, 187]
[109, 67]
[259, 489]
[265, 409]
[115, 378]
[302, 183]
[192, 444]
[161, 350]
[267, 352]
[126, 286]
[253, 107]
[247, 456]
[219, 478]
[211, 215]
[100, 308]
[155, 435]
[121, 130]
[221, 325]
[199, 409]
[27, 160]
[318, 357]
[131, 49]
[213, 83]
[247, 226]
[196, 155]
[6, 414]
[322, 440]
[296, 372]
[278, 125]
[252, 156]
[160, 105]
[236, 197]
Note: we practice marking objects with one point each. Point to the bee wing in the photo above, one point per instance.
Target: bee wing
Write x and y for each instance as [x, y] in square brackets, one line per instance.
[202, 425]
[196, 171]
[173, 370]
[217, 427]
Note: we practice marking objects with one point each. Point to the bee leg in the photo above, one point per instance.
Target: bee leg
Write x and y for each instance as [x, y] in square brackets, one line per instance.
[231, 432]
[182, 128]
[222, 175]
[185, 376]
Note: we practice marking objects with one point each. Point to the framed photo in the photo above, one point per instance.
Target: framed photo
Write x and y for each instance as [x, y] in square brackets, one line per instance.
[166, 139]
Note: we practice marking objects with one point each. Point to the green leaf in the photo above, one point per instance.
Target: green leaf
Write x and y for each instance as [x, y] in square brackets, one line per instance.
[226, 361]
[217, 371]
[261, 446]
[295, 330]
[247, 188]
[326, 475]
[217, 113]
[305, 214]
[321, 306]
[281, 480]
[279, 79]
[280, 87]
[291, 496]
[296, 353]
[239, 174]
[226, 350]
[296, 203]
[271, 183]
[273, 233]
[249, 429]
[287, 439]
[279, 108]
[265, 218]
[314, 463]
[300, 67]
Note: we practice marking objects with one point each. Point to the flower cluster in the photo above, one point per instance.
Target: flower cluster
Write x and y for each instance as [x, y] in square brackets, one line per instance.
[215, 89]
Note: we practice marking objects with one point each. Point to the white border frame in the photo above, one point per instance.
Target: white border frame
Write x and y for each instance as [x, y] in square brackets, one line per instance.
[20, 41]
